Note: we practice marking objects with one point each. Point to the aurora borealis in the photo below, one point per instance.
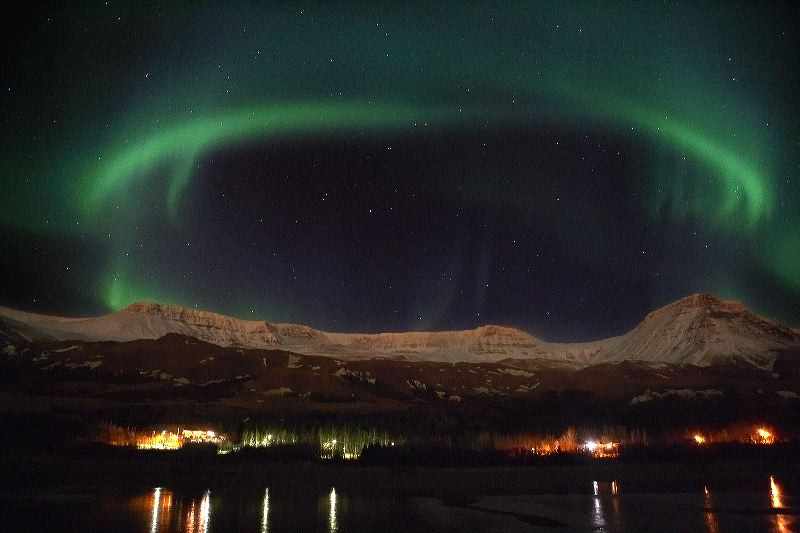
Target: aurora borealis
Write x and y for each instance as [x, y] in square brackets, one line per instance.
[562, 167]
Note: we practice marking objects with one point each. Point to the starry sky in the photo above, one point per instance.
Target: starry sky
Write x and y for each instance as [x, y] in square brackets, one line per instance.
[562, 167]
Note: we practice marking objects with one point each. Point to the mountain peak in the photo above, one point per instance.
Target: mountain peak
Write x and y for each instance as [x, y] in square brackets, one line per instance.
[703, 329]
[700, 298]
[701, 301]
[708, 300]
[143, 306]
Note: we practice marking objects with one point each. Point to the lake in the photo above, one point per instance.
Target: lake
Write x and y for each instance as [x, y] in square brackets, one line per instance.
[602, 506]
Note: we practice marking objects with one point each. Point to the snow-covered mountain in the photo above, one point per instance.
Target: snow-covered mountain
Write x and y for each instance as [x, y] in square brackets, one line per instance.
[145, 320]
[702, 330]
[699, 329]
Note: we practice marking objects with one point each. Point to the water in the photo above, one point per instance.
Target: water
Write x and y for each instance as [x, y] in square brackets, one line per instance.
[604, 506]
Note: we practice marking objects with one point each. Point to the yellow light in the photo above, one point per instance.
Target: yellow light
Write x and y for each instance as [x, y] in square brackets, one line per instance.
[265, 513]
[699, 439]
[333, 524]
[763, 433]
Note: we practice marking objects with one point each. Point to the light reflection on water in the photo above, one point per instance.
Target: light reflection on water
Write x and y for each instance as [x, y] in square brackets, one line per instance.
[161, 505]
[156, 507]
[601, 492]
[603, 505]
[193, 514]
[333, 525]
[197, 518]
[265, 512]
[205, 513]
[774, 493]
[780, 520]
[598, 518]
[711, 519]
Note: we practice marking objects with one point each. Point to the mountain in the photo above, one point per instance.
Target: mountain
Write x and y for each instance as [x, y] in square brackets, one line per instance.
[151, 320]
[700, 330]
[176, 377]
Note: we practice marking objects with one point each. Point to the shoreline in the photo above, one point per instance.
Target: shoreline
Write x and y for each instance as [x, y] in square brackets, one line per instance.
[81, 474]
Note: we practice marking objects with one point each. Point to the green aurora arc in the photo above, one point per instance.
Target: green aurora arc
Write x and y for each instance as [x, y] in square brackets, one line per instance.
[712, 159]
[745, 191]
[747, 195]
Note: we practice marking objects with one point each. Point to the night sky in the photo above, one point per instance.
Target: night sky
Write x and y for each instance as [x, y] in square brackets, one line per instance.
[560, 167]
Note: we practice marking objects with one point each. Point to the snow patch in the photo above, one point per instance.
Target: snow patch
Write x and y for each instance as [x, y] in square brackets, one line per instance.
[517, 372]
[75, 347]
[527, 388]
[649, 395]
[280, 391]
[86, 364]
[415, 384]
[343, 373]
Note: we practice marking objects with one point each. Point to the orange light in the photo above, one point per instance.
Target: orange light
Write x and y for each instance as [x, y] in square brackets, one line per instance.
[602, 449]
[763, 436]
[775, 493]
[699, 439]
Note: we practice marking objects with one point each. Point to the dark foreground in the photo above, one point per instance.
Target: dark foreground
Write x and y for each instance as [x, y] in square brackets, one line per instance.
[164, 492]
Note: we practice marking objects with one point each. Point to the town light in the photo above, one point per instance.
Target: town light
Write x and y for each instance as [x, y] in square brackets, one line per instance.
[763, 436]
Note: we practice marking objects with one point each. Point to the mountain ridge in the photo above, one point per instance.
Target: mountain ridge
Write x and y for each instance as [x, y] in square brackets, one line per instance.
[698, 329]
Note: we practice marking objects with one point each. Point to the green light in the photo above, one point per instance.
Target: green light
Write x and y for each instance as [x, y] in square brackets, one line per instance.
[180, 146]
